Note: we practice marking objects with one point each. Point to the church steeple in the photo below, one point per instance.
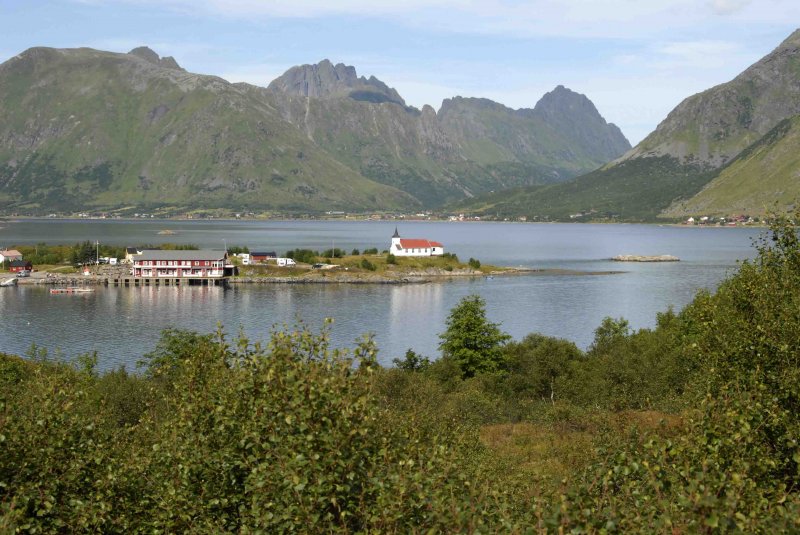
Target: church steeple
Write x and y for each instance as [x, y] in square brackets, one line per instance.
[396, 234]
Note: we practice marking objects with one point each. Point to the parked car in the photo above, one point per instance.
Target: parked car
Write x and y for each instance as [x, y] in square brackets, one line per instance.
[24, 273]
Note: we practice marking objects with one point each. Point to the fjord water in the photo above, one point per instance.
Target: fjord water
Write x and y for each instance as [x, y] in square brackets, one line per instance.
[122, 324]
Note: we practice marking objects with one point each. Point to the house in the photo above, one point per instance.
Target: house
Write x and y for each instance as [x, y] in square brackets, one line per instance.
[262, 257]
[414, 246]
[20, 265]
[202, 264]
[10, 254]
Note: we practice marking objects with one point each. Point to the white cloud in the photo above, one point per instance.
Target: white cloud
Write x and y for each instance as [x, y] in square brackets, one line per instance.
[726, 7]
[623, 19]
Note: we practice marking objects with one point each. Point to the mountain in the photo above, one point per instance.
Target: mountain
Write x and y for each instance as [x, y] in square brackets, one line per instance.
[684, 153]
[86, 129]
[712, 127]
[469, 147]
[81, 128]
[764, 177]
[326, 80]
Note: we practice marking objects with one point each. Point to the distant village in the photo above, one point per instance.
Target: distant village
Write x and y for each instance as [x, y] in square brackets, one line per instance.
[173, 265]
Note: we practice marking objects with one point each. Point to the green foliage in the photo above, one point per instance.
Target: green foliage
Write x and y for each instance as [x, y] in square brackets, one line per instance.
[334, 253]
[306, 256]
[238, 249]
[355, 252]
[537, 364]
[391, 259]
[472, 341]
[450, 256]
[412, 362]
[609, 332]
[634, 190]
[231, 438]
[474, 264]
[372, 250]
[366, 264]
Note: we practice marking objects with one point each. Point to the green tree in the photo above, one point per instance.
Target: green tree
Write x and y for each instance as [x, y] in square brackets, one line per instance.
[472, 341]
[412, 362]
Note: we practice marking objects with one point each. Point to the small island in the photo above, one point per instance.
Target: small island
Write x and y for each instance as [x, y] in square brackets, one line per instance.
[642, 258]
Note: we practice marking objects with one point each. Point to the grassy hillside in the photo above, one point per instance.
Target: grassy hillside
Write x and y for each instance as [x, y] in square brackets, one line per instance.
[634, 190]
[712, 127]
[764, 177]
[83, 129]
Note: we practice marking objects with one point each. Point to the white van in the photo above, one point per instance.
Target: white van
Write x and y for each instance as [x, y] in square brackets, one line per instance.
[285, 262]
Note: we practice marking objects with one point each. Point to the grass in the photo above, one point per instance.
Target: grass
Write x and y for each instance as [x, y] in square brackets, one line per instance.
[353, 264]
[552, 452]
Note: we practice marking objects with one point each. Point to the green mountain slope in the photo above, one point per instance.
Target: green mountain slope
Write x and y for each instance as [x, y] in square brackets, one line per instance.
[762, 178]
[674, 162]
[81, 128]
[85, 129]
[712, 127]
[469, 147]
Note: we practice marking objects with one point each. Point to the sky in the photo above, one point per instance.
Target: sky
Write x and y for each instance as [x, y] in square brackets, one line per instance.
[635, 59]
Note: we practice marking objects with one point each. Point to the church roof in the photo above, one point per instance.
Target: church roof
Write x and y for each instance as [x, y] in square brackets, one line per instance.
[415, 243]
[396, 234]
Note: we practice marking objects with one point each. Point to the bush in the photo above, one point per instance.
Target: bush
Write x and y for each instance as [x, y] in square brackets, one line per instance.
[290, 436]
[366, 264]
[355, 252]
[306, 256]
[391, 259]
[334, 253]
[474, 264]
[373, 250]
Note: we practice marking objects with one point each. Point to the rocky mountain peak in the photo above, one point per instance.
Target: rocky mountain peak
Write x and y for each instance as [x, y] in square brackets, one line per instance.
[326, 80]
[563, 101]
[712, 127]
[150, 56]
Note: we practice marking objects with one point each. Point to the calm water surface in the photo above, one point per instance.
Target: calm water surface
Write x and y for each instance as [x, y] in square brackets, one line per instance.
[124, 323]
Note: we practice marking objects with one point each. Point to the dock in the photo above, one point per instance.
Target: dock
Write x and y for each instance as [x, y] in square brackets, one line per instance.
[166, 281]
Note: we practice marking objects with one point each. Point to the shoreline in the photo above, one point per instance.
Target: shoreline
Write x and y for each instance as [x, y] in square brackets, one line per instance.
[359, 218]
[331, 278]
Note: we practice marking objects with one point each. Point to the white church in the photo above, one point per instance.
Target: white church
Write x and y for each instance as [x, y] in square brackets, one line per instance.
[414, 246]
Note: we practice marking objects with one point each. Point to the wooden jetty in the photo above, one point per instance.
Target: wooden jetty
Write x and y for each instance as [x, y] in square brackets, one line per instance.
[166, 281]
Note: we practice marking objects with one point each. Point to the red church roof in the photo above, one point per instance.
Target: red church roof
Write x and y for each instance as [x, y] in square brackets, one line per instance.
[414, 243]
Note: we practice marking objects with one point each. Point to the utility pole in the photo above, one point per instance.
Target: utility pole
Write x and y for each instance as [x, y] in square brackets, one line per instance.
[97, 258]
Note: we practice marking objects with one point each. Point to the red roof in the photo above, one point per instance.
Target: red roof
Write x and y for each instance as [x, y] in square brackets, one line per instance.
[414, 243]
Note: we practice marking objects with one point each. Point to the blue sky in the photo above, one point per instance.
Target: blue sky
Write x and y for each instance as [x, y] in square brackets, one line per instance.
[635, 59]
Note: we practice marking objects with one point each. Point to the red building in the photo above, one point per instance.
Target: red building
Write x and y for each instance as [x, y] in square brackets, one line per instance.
[262, 257]
[203, 264]
[20, 265]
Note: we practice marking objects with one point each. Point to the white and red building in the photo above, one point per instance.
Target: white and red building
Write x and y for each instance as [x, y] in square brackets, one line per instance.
[414, 246]
[202, 264]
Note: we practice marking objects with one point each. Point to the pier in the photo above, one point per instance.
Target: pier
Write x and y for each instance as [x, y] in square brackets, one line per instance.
[166, 281]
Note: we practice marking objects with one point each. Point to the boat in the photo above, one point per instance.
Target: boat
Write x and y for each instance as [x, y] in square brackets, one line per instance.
[8, 282]
[71, 290]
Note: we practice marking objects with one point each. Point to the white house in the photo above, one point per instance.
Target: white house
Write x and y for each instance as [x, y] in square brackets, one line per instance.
[10, 255]
[414, 246]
